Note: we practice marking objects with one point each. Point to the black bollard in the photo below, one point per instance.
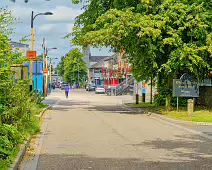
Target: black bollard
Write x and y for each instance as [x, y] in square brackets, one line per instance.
[137, 99]
[143, 97]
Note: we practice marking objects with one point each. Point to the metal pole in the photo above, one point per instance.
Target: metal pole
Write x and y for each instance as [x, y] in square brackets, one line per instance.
[151, 91]
[44, 55]
[50, 78]
[78, 73]
[50, 73]
[31, 49]
[177, 103]
[108, 77]
[47, 73]
[136, 96]
[36, 79]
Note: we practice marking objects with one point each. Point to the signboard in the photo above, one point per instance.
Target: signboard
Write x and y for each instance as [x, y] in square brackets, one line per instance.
[21, 72]
[45, 71]
[97, 74]
[206, 82]
[97, 70]
[185, 87]
[31, 55]
[143, 91]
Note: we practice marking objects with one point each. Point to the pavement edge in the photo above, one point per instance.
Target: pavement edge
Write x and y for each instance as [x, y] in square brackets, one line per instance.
[23, 147]
[169, 119]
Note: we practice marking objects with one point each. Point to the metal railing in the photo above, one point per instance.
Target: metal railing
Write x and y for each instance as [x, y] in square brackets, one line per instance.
[125, 86]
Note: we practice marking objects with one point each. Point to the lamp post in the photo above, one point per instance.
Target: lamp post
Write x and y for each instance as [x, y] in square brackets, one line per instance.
[78, 74]
[46, 66]
[32, 42]
[50, 62]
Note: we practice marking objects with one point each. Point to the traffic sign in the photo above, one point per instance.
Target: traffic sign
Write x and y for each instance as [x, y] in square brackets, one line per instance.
[31, 55]
[45, 71]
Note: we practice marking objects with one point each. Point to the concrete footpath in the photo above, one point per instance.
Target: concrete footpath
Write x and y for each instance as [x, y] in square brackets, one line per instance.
[92, 131]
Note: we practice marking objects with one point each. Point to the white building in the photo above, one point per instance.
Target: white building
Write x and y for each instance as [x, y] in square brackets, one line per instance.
[23, 48]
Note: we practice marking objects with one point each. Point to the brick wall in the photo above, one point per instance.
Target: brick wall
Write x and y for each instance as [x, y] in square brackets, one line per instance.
[205, 97]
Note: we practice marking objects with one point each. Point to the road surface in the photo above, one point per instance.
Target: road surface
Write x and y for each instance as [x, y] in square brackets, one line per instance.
[92, 131]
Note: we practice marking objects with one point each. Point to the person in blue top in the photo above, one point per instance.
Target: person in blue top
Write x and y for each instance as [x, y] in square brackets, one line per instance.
[67, 89]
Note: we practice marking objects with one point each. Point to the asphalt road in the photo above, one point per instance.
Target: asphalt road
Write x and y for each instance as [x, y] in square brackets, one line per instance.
[91, 131]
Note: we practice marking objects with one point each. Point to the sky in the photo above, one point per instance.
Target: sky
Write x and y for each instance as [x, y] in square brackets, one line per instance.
[53, 28]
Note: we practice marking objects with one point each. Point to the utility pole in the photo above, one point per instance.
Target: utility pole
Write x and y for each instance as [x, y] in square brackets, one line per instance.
[78, 73]
[32, 43]
[44, 66]
[31, 49]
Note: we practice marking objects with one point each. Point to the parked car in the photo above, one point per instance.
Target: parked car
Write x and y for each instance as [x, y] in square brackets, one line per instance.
[57, 85]
[63, 84]
[91, 87]
[86, 88]
[100, 89]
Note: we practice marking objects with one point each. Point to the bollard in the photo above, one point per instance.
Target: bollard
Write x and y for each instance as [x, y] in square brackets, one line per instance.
[190, 107]
[137, 99]
[143, 97]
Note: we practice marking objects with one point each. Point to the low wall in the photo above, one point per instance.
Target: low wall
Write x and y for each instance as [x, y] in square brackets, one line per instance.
[205, 97]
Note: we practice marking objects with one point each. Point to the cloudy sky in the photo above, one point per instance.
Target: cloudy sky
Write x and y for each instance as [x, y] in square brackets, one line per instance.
[53, 28]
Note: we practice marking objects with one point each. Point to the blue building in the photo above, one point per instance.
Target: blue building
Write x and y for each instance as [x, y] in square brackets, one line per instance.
[37, 75]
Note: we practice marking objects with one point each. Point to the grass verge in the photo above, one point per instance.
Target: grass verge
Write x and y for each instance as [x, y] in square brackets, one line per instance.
[201, 114]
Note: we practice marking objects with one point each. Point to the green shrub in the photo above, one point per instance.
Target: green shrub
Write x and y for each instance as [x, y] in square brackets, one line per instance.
[9, 139]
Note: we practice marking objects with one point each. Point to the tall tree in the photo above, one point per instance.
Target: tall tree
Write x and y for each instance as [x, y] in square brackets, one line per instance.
[60, 67]
[74, 67]
[163, 38]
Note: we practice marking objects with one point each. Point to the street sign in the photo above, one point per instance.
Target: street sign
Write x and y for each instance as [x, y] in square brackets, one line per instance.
[45, 71]
[185, 87]
[31, 55]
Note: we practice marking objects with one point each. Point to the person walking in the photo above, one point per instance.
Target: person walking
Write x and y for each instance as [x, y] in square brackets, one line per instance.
[67, 89]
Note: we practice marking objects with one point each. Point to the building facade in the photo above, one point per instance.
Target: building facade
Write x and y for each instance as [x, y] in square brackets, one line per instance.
[23, 48]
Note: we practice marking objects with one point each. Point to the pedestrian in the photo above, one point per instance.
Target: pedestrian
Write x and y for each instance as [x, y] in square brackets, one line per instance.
[67, 89]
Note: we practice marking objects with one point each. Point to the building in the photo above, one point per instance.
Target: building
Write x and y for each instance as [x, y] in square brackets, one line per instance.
[92, 63]
[23, 48]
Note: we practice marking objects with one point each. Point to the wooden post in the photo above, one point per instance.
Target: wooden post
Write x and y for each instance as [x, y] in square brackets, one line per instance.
[190, 107]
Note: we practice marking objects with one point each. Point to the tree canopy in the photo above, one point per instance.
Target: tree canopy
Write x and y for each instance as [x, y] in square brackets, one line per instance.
[167, 37]
[72, 65]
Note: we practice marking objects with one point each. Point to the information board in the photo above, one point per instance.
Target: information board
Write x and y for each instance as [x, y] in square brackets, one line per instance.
[185, 87]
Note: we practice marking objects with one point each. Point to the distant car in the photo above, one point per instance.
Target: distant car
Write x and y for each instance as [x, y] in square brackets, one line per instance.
[100, 89]
[57, 85]
[63, 84]
[86, 88]
[91, 87]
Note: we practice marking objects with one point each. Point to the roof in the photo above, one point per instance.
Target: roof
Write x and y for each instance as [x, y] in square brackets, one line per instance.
[19, 45]
[96, 58]
[106, 58]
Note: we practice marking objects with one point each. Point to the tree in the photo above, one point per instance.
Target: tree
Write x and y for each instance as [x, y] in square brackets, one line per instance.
[74, 67]
[60, 67]
[165, 38]
[18, 109]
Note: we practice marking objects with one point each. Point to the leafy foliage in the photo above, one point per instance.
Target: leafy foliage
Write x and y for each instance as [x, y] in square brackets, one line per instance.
[74, 65]
[18, 107]
[60, 66]
[163, 38]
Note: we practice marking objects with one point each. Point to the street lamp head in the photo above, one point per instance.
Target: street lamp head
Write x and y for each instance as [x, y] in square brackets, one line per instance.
[54, 48]
[48, 13]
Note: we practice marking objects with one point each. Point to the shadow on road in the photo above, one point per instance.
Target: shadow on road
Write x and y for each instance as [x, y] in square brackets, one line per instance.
[79, 162]
[71, 103]
[196, 151]
[190, 152]
[114, 109]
